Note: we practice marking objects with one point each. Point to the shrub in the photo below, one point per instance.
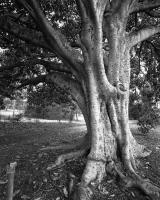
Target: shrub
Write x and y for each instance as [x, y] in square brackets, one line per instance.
[148, 119]
[135, 111]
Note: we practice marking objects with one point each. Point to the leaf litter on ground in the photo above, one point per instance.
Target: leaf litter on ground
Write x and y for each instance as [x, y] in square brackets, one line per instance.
[34, 182]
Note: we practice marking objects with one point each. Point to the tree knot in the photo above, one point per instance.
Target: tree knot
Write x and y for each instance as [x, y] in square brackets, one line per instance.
[121, 89]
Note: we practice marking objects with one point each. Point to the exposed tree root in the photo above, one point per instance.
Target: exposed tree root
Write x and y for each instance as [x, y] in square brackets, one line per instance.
[60, 161]
[145, 186]
[58, 147]
[92, 176]
[133, 180]
[82, 193]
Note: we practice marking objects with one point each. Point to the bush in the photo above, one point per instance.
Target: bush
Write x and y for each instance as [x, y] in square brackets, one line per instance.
[135, 111]
[148, 119]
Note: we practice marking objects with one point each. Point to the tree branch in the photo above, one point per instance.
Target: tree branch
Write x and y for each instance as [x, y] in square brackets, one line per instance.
[154, 48]
[49, 65]
[56, 40]
[139, 55]
[64, 81]
[28, 8]
[74, 87]
[28, 35]
[82, 10]
[32, 81]
[153, 13]
[143, 34]
[36, 38]
[138, 6]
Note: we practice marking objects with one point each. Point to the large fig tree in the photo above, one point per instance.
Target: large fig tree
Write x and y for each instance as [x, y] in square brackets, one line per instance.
[96, 70]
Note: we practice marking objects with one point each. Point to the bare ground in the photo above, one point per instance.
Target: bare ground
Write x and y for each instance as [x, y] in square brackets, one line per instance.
[22, 142]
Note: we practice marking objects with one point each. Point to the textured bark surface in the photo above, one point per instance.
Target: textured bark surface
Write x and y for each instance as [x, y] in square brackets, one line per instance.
[113, 148]
[98, 80]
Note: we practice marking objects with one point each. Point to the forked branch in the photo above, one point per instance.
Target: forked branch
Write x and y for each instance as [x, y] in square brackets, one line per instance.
[55, 39]
[49, 65]
[153, 13]
[32, 81]
[66, 157]
[143, 34]
[138, 6]
[28, 35]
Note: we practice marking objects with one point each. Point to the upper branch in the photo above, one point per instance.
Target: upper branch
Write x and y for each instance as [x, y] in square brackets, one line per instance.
[138, 6]
[19, 31]
[153, 13]
[143, 34]
[49, 65]
[68, 82]
[55, 39]
[56, 77]
[36, 38]
[32, 81]
[63, 81]
[154, 48]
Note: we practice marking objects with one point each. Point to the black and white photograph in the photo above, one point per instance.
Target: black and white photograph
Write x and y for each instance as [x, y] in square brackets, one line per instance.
[79, 99]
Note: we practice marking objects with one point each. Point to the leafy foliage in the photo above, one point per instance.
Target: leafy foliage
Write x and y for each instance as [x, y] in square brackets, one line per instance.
[149, 112]
[145, 69]
[2, 106]
[44, 96]
[149, 118]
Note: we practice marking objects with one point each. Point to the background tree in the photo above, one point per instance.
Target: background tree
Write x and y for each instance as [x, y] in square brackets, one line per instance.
[95, 67]
[145, 71]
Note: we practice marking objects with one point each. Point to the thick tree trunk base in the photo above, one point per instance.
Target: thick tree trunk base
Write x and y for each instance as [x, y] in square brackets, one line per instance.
[93, 175]
[129, 180]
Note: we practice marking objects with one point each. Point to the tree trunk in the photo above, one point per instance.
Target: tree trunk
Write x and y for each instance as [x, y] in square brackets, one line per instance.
[112, 143]
[103, 144]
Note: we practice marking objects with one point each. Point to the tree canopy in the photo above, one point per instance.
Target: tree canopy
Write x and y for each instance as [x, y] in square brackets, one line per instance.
[86, 47]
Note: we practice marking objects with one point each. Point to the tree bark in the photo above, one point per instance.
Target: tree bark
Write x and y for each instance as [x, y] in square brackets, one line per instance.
[104, 95]
[113, 147]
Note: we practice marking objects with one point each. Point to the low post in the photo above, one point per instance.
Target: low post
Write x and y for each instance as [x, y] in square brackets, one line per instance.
[10, 175]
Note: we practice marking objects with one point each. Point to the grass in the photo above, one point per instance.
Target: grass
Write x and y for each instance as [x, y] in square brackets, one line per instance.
[22, 142]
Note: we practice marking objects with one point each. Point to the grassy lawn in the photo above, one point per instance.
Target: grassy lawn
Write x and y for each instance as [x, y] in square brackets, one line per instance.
[22, 142]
